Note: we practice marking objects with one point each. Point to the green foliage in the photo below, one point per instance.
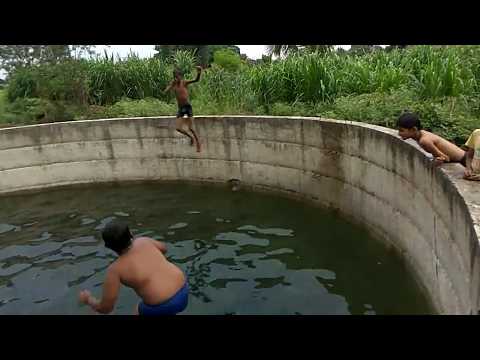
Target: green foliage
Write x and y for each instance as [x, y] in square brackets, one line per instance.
[30, 110]
[297, 109]
[307, 78]
[441, 83]
[212, 49]
[226, 89]
[227, 59]
[22, 84]
[144, 107]
[14, 57]
[437, 73]
[203, 53]
[284, 50]
[184, 61]
[134, 78]
[66, 81]
[449, 117]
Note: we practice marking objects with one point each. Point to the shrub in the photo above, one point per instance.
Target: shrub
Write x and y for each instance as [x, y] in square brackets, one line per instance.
[227, 59]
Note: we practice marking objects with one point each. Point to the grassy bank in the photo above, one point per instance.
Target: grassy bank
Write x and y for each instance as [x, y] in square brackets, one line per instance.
[441, 84]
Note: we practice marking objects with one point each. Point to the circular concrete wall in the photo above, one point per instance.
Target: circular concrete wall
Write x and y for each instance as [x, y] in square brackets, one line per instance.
[430, 215]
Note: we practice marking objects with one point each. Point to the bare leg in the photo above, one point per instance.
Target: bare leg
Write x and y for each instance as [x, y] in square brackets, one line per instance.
[187, 134]
[189, 122]
[179, 124]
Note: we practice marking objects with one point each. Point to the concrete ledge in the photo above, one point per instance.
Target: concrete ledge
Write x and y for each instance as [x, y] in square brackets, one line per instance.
[366, 172]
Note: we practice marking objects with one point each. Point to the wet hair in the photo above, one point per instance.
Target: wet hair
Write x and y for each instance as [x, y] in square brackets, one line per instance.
[409, 120]
[117, 236]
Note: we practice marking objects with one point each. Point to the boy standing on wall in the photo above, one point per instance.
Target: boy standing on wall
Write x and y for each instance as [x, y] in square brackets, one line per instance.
[180, 87]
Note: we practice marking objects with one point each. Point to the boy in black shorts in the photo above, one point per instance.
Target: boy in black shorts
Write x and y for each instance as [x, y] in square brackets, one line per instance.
[179, 85]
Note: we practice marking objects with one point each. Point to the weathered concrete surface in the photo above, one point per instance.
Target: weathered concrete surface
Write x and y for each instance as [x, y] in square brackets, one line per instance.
[431, 215]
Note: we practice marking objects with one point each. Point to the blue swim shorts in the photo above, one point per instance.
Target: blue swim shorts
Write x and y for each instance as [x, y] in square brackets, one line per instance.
[177, 303]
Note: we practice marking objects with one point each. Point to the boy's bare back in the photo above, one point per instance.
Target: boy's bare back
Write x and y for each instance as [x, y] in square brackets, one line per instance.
[145, 269]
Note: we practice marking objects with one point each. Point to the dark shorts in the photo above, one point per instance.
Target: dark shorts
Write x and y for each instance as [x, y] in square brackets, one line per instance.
[177, 303]
[185, 110]
[463, 161]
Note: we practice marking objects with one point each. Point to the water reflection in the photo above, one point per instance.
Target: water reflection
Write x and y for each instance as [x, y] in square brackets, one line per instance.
[271, 258]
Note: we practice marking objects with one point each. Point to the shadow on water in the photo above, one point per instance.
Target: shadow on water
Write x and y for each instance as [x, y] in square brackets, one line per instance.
[243, 252]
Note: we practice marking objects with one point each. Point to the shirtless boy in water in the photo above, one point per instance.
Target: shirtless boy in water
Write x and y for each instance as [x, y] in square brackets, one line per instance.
[179, 85]
[409, 127]
[141, 265]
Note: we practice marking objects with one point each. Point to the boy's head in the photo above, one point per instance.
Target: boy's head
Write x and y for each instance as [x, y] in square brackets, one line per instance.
[408, 125]
[177, 74]
[117, 236]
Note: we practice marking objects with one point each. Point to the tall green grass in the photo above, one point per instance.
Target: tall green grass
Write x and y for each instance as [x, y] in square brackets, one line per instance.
[443, 84]
[429, 72]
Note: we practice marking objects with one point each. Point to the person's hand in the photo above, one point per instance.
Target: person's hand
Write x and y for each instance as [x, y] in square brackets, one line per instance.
[84, 296]
[468, 173]
[439, 161]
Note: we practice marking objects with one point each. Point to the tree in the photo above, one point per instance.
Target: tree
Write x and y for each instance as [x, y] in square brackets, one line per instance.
[78, 51]
[283, 50]
[212, 49]
[266, 59]
[227, 59]
[280, 50]
[17, 56]
[13, 56]
[203, 53]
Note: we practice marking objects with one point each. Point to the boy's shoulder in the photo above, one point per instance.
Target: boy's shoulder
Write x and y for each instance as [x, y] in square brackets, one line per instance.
[427, 137]
[114, 266]
[142, 239]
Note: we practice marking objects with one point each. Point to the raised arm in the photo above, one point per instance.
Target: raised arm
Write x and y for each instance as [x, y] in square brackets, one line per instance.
[435, 151]
[111, 287]
[199, 71]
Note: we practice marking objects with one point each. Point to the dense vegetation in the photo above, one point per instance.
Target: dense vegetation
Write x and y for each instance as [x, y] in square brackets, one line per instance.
[441, 83]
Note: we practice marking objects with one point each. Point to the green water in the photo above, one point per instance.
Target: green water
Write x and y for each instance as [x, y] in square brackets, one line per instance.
[243, 252]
